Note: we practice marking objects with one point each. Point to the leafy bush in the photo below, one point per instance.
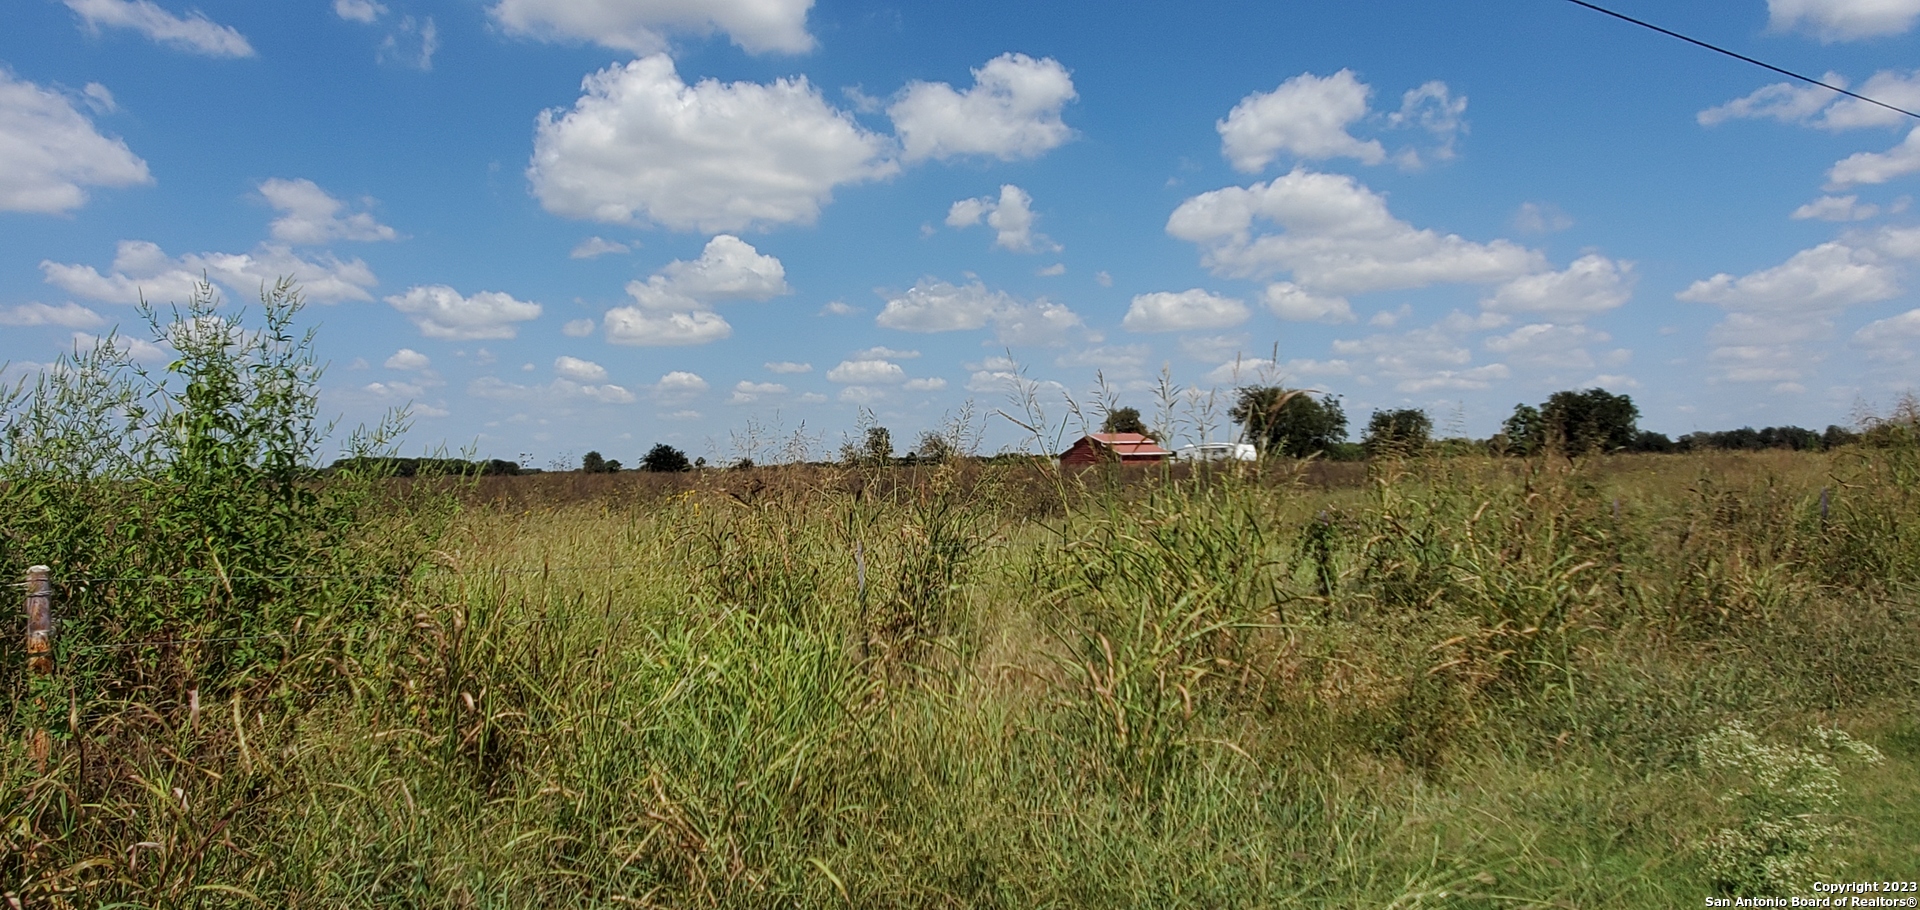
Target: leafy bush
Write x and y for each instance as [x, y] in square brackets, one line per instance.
[185, 507]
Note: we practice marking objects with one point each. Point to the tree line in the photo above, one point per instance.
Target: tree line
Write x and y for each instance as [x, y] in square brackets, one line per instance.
[1295, 423]
[1300, 423]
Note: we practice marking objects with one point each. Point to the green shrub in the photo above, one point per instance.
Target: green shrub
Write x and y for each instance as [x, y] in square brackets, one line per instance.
[190, 533]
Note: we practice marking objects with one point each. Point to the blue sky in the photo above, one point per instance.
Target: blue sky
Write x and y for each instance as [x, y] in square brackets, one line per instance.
[559, 225]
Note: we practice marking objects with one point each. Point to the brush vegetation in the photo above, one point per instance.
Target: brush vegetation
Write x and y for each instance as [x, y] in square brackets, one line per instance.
[1631, 680]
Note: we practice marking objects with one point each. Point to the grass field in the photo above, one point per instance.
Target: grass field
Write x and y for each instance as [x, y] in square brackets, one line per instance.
[1631, 681]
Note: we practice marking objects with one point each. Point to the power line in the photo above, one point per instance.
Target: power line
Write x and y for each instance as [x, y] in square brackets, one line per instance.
[1743, 57]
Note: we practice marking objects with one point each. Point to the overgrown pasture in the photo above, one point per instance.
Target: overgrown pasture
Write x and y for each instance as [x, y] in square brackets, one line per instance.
[1628, 681]
[1432, 681]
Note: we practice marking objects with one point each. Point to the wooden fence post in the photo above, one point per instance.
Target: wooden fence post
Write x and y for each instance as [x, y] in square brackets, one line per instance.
[39, 651]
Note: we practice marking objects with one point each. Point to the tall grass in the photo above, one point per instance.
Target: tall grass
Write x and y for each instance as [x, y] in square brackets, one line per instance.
[1461, 681]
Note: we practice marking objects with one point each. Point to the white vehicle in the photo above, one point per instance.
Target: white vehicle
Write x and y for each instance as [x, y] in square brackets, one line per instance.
[1217, 451]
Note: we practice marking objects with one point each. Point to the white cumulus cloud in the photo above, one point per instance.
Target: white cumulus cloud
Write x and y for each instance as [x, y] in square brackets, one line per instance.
[1336, 237]
[1836, 208]
[308, 215]
[679, 384]
[728, 269]
[939, 306]
[1011, 217]
[49, 151]
[1470, 380]
[1185, 311]
[1011, 112]
[194, 33]
[1892, 338]
[579, 370]
[362, 11]
[1772, 313]
[1040, 322]
[1307, 117]
[788, 367]
[594, 247]
[67, 315]
[1821, 108]
[142, 268]
[1877, 167]
[635, 326]
[1824, 278]
[408, 359]
[745, 392]
[1432, 358]
[1294, 303]
[1434, 108]
[672, 307]
[1843, 20]
[439, 311]
[641, 26]
[1592, 284]
[1115, 361]
[867, 372]
[882, 352]
[1548, 345]
[1900, 89]
[640, 145]
[1787, 102]
[558, 391]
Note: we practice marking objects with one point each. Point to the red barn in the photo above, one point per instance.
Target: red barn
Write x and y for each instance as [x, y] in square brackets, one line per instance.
[1125, 448]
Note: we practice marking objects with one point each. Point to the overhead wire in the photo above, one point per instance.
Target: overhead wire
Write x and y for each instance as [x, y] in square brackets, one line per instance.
[1743, 57]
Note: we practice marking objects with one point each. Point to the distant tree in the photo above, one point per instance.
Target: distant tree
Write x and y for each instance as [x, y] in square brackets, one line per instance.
[879, 447]
[1289, 421]
[934, 447]
[1748, 439]
[1649, 441]
[1523, 433]
[1837, 436]
[700, 462]
[666, 458]
[613, 465]
[1402, 431]
[1799, 439]
[1124, 420]
[1580, 422]
[592, 463]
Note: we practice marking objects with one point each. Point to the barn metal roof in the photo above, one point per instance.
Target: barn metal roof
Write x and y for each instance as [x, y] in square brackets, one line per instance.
[1128, 445]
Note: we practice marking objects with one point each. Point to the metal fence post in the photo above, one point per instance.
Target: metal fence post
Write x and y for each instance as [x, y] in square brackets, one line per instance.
[39, 652]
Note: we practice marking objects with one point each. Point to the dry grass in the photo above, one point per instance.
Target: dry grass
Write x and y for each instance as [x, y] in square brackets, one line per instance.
[1460, 682]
